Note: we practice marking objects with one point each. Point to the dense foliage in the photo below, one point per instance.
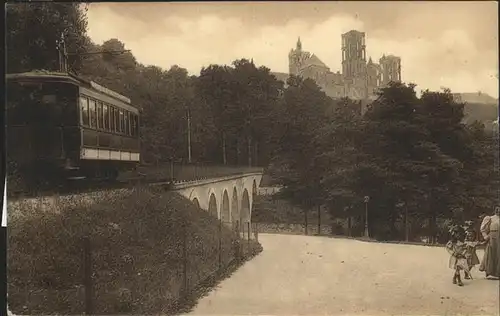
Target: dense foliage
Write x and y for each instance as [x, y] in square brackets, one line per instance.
[409, 155]
[405, 153]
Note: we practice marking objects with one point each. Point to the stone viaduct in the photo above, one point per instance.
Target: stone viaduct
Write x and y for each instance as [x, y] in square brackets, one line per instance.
[229, 198]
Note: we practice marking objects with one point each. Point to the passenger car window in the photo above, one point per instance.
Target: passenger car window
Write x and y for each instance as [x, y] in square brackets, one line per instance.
[122, 122]
[106, 116]
[84, 107]
[100, 123]
[112, 111]
[127, 123]
[93, 114]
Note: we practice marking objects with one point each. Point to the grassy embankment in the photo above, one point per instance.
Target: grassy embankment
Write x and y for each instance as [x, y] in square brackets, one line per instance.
[152, 252]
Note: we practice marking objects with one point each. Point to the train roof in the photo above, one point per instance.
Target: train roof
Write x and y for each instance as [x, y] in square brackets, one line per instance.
[41, 74]
[69, 78]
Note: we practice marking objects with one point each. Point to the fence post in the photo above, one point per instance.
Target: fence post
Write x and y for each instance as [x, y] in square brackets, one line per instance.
[185, 284]
[220, 245]
[305, 220]
[237, 244]
[406, 224]
[249, 231]
[319, 220]
[256, 227]
[87, 275]
[349, 225]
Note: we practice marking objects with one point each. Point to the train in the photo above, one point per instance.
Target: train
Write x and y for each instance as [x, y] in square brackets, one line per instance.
[61, 126]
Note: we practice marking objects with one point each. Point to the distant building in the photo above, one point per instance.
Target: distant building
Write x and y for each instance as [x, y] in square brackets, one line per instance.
[360, 79]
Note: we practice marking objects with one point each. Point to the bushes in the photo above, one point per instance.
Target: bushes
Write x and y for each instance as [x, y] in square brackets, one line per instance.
[141, 241]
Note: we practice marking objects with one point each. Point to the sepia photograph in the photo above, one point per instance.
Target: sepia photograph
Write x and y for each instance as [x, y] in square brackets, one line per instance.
[252, 158]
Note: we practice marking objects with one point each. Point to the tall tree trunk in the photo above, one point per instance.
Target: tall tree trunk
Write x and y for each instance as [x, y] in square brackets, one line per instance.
[432, 220]
[238, 152]
[319, 219]
[432, 227]
[349, 225]
[224, 148]
[407, 228]
[249, 151]
[305, 220]
[256, 153]
[189, 134]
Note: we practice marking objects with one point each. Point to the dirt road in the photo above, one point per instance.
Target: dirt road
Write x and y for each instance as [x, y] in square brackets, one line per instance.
[302, 275]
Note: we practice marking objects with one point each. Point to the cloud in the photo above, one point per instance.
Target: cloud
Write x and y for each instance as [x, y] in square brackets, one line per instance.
[450, 58]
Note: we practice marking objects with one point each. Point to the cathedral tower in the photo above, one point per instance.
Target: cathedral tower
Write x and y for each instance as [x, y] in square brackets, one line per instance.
[391, 69]
[295, 59]
[353, 54]
[373, 77]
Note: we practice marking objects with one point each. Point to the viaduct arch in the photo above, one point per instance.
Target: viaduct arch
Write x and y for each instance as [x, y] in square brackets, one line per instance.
[229, 199]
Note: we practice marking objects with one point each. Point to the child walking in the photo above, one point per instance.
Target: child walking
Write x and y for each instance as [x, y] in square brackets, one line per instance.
[457, 249]
[470, 246]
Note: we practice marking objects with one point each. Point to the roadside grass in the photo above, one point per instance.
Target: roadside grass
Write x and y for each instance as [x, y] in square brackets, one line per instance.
[152, 252]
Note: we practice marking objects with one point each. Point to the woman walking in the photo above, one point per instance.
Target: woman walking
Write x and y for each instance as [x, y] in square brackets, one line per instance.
[491, 259]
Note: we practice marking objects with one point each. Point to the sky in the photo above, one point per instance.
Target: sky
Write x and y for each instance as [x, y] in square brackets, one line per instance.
[441, 44]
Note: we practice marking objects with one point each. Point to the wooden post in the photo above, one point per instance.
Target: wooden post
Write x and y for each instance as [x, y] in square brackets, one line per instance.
[238, 162]
[189, 133]
[249, 233]
[224, 148]
[220, 245]
[256, 232]
[366, 200]
[305, 220]
[87, 276]
[185, 260]
[349, 225]
[406, 223]
[171, 169]
[249, 151]
[256, 153]
[319, 219]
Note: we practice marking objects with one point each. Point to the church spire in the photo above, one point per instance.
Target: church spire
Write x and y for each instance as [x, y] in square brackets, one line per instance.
[299, 44]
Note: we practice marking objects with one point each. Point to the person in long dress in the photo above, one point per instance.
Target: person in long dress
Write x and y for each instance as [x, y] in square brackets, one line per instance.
[490, 231]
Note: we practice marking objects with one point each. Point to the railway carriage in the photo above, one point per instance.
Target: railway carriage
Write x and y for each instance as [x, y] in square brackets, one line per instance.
[60, 126]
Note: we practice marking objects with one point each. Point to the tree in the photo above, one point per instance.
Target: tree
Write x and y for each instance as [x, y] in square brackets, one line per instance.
[480, 179]
[33, 30]
[442, 117]
[303, 115]
[337, 157]
[256, 95]
[214, 89]
[241, 99]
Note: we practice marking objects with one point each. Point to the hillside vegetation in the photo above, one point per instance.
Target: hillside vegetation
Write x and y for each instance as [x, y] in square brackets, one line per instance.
[149, 250]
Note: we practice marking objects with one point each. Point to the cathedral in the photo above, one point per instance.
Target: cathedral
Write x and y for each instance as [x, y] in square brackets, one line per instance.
[359, 79]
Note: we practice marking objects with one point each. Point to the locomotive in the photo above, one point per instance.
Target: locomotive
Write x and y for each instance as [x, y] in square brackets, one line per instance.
[61, 126]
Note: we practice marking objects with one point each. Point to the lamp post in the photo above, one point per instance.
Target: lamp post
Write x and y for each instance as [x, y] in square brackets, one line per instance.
[366, 200]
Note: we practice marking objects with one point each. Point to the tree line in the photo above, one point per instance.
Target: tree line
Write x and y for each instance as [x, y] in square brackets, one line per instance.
[228, 110]
[410, 155]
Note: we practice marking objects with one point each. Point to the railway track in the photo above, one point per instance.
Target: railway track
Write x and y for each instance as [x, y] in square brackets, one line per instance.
[91, 186]
[84, 187]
